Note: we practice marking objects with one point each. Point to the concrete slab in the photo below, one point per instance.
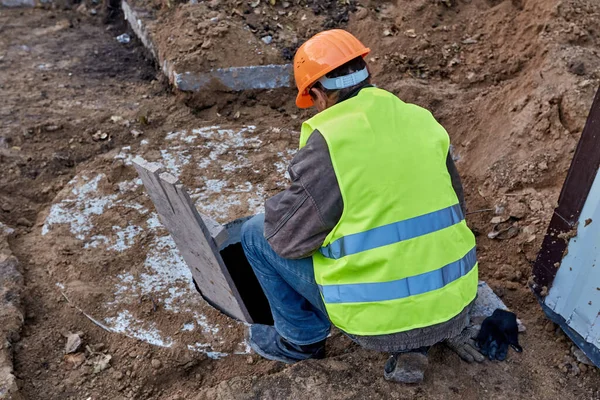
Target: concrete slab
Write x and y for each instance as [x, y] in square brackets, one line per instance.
[126, 272]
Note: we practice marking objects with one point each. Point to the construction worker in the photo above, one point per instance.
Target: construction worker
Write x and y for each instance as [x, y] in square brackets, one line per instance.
[371, 235]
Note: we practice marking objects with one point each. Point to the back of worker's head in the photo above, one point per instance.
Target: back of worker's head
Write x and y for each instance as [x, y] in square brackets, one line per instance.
[355, 67]
[328, 65]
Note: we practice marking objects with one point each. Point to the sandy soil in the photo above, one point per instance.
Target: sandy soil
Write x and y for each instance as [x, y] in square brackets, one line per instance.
[512, 81]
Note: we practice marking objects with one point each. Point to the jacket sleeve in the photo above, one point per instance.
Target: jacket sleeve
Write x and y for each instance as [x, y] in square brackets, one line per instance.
[298, 220]
[456, 182]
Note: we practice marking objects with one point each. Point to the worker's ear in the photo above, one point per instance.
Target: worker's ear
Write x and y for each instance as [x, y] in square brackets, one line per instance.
[319, 98]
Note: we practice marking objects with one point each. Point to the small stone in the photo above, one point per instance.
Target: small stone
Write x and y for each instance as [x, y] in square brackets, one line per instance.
[73, 343]
[102, 363]
[410, 33]
[535, 205]
[550, 327]
[470, 41]
[583, 368]
[118, 375]
[575, 369]
[499, 219]
[518, 210]
[124, 38]
[99, 135]
[267, 39]
[249, 360]
[156, 364]
[52, 128]
[576, 67]
[93, 11]
[580, 356]
[361, 13]
[24, 222]
[136, 133]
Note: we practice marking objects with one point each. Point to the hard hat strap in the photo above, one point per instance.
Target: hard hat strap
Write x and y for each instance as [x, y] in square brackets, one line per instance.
[346, 81]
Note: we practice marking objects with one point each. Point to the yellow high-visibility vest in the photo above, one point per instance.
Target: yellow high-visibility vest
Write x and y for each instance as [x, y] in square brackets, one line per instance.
[401, 257]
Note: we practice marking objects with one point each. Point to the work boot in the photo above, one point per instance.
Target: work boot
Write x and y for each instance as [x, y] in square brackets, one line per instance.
[406, 367]
[265, 341]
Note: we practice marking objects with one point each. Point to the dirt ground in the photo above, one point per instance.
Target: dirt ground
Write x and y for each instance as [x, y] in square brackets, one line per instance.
[512, 82]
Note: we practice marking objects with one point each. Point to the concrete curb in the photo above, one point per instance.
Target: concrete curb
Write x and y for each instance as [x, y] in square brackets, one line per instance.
[17, 3]
[11, 315]
[233, 78]
[24, 3]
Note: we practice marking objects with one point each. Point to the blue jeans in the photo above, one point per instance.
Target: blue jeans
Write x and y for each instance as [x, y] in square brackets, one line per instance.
[290, 287]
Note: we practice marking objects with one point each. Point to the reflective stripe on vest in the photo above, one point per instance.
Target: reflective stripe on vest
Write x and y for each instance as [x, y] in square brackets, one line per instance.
[393, 233]
[401, 288]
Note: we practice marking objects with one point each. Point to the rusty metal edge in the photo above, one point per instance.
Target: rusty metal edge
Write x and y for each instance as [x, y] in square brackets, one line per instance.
[575, 190]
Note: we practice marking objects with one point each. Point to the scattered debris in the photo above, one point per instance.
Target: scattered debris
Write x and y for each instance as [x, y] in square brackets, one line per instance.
[22, 221]
[74, 361]
[504, 230]
[587, 222]
[124, 38]
[410, 33]
[73, 342]
[580, 356]
[99, 135]
[135, 133]
[499, 218]
[101, 362]
[576, 67]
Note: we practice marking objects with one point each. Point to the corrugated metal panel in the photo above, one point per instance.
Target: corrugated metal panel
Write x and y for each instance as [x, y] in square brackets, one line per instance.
[575, 292]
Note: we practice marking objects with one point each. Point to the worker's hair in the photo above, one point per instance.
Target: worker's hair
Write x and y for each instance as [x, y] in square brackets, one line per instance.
[356, 64]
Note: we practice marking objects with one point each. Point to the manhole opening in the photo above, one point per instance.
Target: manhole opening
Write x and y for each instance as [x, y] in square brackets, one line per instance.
[243, 276]
[247, 284]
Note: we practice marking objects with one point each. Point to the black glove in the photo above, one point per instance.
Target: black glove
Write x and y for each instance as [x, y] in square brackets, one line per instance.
[497, 332]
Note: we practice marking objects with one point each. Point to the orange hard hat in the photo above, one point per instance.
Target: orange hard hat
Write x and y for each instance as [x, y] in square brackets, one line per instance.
[320, 55]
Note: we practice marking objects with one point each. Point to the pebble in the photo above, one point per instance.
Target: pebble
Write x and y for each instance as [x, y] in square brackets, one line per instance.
[580, 356]
[249, 360]
[118, 375]
[124, 38]
[24, 222]
[361, 13]
[156, 364]
[267, 39]
[576, 67]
